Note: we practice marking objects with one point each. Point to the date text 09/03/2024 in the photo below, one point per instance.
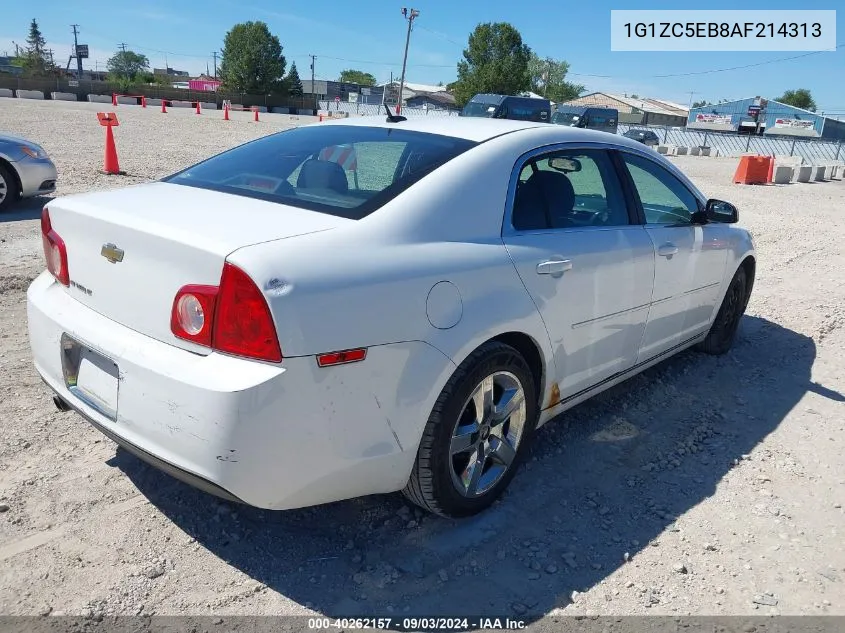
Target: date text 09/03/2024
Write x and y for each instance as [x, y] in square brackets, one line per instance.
[416, 623]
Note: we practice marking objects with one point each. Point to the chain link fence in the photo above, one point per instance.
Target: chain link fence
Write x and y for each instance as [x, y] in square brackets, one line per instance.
[368, 109]
[810, 150]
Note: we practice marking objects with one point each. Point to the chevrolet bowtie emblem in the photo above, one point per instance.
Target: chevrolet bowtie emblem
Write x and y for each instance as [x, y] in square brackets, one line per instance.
[112, 253]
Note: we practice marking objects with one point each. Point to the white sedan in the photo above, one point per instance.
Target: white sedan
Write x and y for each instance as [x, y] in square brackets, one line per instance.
[370, 306]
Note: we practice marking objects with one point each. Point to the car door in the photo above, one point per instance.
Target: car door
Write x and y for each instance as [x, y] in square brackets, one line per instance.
[690, 259]
[584, 259]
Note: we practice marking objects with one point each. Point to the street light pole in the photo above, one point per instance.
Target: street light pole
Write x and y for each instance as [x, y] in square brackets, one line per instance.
[409, 14]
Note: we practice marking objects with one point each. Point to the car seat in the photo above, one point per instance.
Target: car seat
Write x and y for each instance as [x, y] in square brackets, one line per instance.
[322, 174]
[544, 191]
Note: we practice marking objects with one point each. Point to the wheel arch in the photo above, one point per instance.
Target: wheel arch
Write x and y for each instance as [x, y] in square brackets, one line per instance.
[7, 165]
[529, 348]
[749, 263]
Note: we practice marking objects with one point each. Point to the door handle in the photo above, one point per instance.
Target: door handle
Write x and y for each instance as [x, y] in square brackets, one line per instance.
[554, 267]
[667, 250]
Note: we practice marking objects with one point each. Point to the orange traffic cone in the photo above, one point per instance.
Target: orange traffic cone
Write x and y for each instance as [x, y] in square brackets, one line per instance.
[113, 99]
[198, 108]
[225, 114]
[769, 176]
[255, 118]
[110, 164]
[163, 106]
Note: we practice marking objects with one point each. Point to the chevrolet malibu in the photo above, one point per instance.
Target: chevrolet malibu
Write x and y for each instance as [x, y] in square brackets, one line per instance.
[370, 306]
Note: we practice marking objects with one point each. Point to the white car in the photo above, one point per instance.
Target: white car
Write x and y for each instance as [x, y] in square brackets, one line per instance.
[369, 306]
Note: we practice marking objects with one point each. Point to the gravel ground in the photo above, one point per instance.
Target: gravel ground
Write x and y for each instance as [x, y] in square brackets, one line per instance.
[704, 486]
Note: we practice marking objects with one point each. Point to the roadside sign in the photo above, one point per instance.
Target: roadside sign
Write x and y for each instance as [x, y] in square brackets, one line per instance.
[353, 97]
[82, 51]
[365, 91]
[391, 94]
[108, 119]
[337, 99]
[73, 83]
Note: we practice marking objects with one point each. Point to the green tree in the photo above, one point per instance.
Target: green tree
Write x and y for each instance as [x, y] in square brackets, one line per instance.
[548, 78]
[495, 61]
[293, 82]
[252, 59]
[700, 104]
[357, 77]
[800, 98]
[35, 60]
[128, 66]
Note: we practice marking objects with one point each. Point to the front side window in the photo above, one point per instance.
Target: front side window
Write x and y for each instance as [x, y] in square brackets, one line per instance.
[347, 171]
[569, 189]
[664, 198]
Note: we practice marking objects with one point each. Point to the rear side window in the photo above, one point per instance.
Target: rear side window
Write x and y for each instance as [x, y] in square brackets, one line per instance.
[347, 171]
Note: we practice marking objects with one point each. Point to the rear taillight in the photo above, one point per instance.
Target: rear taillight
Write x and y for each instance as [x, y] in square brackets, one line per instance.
[54, 250]
[233, 318]
[243, 324]
[193, 313]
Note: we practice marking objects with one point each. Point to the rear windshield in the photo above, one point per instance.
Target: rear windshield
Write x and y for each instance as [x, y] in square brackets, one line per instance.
[566, 118]
[343, 170]
[480, 108]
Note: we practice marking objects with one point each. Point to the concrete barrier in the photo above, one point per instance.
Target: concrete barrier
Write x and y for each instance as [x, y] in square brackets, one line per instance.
[305, 111]
[153, 102]
[207, 105]
[804, 173]
[63, 96]
[695, 151]
[783, 174]
[259, 108]
[821, 173]
[682, 151]
[127, 101]
[30, 94]
[181, 104]
[6, 92]
[99, 98]
[280, 110]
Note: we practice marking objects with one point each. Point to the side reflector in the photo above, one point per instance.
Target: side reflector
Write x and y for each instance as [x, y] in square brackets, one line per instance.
[341, 358]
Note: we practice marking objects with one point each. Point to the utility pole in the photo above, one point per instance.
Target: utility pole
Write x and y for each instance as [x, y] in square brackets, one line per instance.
[410, 15]
[691, 93]
[122, 47]
[76, 51]
[548, 77]
[214, 55]
[313, 89]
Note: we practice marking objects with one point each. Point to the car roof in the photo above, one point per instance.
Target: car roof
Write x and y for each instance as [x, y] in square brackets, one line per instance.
[469, 128]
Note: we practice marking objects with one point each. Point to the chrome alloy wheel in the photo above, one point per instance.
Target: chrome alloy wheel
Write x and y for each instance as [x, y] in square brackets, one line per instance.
[4, 188]
[487, 434]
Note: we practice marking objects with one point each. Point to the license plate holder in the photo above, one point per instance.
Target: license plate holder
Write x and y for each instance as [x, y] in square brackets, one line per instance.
[90, 376]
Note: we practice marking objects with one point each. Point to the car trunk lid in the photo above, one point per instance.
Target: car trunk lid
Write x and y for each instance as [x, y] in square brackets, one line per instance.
[130, 250]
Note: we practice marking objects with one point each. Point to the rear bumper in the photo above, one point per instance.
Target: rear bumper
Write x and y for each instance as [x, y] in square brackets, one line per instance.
[272, 436]
[152, 460]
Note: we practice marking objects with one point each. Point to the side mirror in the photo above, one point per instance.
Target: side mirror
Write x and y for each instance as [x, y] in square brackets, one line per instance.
[720, 211]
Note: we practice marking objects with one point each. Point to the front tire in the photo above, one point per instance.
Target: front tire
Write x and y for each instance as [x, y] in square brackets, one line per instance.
[476, 435]
[8, 188]
[721, 336]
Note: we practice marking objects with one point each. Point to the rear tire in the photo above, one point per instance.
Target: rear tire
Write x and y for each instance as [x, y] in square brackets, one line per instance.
[477, 433]
[8, 188]
[721, 336]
